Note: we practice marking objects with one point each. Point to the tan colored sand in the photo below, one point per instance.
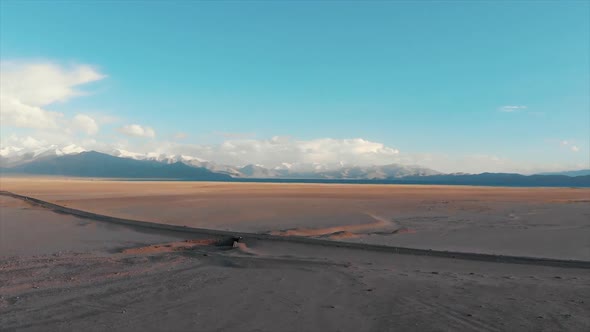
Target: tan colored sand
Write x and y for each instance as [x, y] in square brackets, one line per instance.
[30, 230]
[544, 222]
[343, 235]
[170, 247]
[379, 224]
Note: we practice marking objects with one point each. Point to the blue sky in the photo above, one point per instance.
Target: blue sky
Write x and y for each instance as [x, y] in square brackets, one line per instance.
[424, 82]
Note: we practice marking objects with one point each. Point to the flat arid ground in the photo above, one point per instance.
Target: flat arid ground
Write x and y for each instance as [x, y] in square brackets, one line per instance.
[59, 271]
[536, 222]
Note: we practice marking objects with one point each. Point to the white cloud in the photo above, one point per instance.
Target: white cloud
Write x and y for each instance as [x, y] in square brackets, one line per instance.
[512, 108]
[286, 152]
[14, 113]
[137, 130]
[85, 123]
[27, 88]
[27, 142]
[45, 83]
[478, 163]
[275, 151]
[46, 139]
[569, 144]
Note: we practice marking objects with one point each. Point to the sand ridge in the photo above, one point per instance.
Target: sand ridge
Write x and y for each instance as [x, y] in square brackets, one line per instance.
[171, 246]
[378, 226]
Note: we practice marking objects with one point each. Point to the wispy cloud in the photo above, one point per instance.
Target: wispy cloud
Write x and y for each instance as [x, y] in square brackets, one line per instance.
[512, 108]
[571, 145]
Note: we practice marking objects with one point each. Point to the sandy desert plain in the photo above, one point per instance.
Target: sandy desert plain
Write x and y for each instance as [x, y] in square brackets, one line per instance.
[95, 255]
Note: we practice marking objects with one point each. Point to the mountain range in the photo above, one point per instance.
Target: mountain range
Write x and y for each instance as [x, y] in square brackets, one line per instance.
[580, 172]
[96, 164]
[74, 161]
[44, 161]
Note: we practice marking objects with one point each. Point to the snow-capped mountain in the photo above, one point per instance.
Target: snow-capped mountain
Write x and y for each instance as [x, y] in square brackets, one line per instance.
[11, 151]
[257, 171]
[316, 171]
[102, 165]
[171, 159]
[127, 154]
[161, 157]
[73, 160]
[14, 156]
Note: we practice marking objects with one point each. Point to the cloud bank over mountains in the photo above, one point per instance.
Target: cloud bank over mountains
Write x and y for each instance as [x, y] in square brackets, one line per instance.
[279, 153]
[275, 152]
[284, 151]
[33, 120]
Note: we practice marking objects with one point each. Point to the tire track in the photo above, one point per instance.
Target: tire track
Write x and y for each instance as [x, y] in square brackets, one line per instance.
[312, 241]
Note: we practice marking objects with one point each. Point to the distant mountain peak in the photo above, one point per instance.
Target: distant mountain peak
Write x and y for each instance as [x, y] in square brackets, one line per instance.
[98, 164]
[70, 162]
[14, 157]
[580, 172]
